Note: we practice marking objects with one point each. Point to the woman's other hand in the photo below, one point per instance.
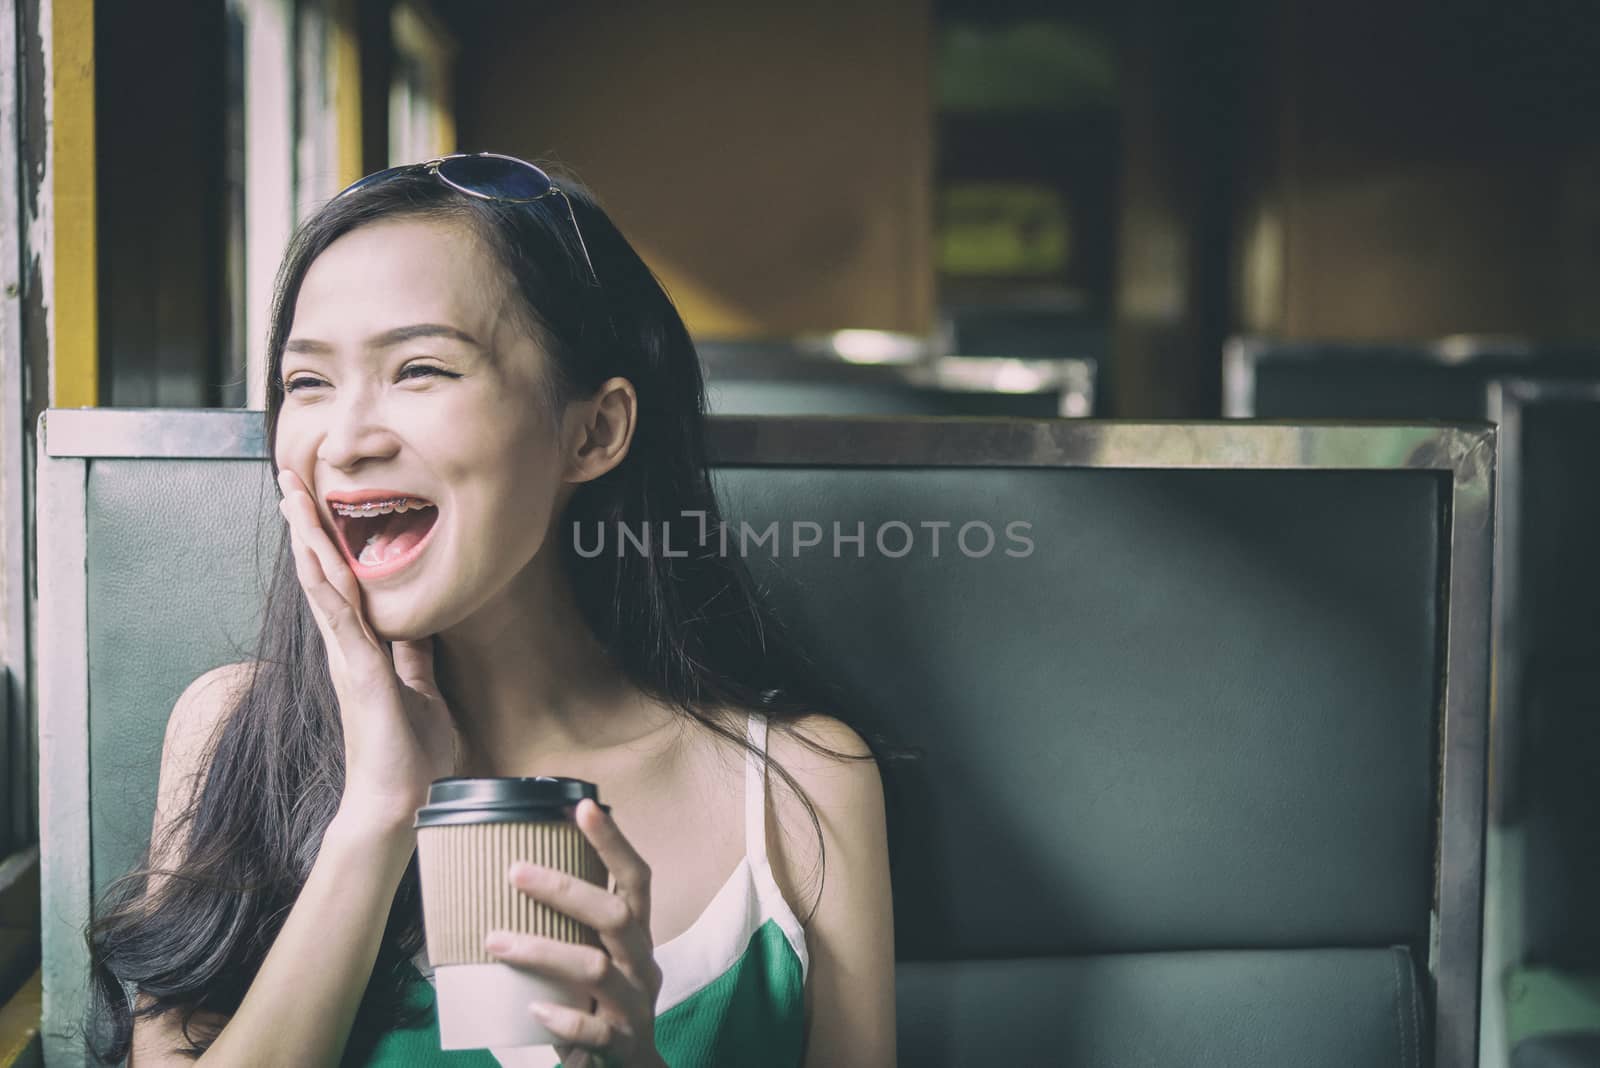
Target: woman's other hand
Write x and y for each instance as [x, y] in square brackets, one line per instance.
[623, 978]
[399, 735]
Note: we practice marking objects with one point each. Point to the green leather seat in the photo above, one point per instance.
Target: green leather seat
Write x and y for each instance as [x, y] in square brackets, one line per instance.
[1179, 795]
[1176, 806]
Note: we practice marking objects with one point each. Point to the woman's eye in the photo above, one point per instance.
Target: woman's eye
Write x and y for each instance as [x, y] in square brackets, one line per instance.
[416, 370]
[305, 382]
[427, 369]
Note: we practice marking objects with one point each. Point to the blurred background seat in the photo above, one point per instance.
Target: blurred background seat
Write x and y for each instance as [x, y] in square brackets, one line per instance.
[1270, 378]
[1542, 960]
[862, 372]
[1544, 919]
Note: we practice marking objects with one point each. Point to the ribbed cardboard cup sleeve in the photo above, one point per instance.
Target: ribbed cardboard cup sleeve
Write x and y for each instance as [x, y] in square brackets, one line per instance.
[465, 892]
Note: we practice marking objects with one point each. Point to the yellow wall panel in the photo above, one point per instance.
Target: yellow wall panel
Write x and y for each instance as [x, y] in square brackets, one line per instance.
[74, 314]
[346, 81]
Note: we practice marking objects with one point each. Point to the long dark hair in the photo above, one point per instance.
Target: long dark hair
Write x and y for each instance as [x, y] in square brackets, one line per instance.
[690, 630]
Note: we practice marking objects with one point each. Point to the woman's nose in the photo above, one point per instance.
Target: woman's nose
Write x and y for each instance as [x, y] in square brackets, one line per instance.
[356, 432]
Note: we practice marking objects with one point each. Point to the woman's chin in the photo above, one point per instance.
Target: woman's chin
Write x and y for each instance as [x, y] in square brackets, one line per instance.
[398, 626]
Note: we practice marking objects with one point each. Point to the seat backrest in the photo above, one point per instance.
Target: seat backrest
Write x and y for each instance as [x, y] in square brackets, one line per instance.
[837, 396]
[776, 379]
[1025, 328]
[1274, 379]
[1201, 707]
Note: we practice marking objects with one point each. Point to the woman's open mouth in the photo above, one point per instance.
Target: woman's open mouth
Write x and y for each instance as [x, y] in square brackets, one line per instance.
[383, 538]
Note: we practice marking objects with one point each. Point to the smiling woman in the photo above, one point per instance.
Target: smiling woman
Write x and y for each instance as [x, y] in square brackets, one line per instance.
[459, 378]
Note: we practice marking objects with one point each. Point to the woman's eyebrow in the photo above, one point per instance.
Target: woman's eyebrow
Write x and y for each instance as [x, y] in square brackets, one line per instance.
[406, 333]
[308, 347]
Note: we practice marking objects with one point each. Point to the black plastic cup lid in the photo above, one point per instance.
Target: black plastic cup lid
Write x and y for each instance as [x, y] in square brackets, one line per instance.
[504, 800]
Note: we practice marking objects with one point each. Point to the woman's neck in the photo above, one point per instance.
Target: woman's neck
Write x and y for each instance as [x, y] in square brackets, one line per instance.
[529, 684]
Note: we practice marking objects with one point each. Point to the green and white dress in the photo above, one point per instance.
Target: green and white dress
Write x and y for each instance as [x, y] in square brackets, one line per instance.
[731, 992]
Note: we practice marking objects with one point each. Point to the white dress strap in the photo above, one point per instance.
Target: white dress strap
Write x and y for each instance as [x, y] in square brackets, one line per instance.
[769, 899]
[755, 795]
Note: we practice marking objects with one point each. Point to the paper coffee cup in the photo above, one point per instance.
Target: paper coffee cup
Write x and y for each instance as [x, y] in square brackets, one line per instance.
[468, 835]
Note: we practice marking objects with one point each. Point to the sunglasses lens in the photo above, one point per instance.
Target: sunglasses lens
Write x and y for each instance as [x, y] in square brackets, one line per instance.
[507, 179]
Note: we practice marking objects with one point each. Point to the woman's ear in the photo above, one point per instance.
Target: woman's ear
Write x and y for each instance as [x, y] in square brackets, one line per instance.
[598, 430]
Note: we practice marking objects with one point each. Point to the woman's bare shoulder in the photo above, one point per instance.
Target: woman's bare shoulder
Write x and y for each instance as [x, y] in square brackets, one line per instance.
[807, 746]
[818, 742]
[834, 768]
[220, 685]
[815, 728]
[204, 702]
[191, 728]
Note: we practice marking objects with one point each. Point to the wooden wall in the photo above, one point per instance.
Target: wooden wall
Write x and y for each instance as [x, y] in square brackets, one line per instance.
[1435, 170]
[772, 163]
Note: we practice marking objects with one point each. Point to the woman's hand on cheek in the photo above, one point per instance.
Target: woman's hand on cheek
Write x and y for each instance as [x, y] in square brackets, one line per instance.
[399, 735]
[623, 978]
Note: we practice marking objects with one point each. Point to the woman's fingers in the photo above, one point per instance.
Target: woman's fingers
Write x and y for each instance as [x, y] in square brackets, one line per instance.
[313, 580]
[626, 866]
[325, 578]
[590, 1033]
[413, 662]
[303, 507]
[583, 966]
[624, 934]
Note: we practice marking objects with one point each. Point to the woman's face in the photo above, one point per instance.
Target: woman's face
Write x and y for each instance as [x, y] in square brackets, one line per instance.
[407, 372]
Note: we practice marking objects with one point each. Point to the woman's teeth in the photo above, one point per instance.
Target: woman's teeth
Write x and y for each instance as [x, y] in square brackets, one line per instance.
[403, 504]
[390, 538]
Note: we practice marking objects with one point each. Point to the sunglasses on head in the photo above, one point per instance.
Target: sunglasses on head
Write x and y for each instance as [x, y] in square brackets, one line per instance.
[488, 176]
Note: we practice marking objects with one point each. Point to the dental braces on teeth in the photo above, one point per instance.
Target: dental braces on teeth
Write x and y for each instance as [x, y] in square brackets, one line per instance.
[402, 504]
